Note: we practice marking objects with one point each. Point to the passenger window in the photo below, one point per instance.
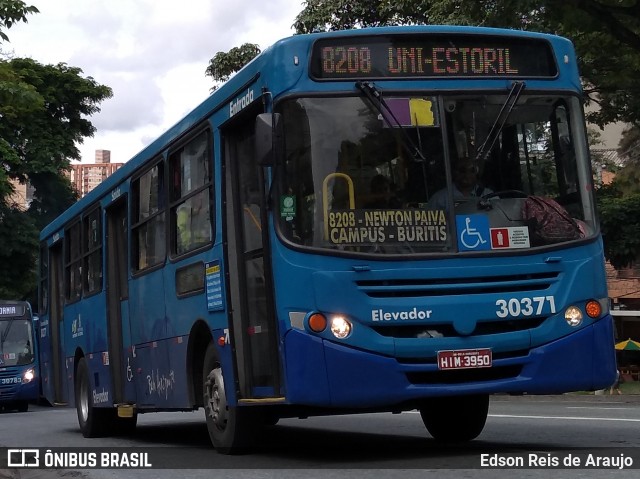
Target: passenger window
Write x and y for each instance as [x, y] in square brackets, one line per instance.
[191, 196]
[148, 231]
[73, 263]
[92, 252]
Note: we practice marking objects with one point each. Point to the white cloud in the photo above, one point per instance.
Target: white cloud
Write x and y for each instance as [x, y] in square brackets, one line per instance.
[152, 53]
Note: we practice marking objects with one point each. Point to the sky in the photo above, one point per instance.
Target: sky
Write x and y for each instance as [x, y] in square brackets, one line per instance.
[152, 53]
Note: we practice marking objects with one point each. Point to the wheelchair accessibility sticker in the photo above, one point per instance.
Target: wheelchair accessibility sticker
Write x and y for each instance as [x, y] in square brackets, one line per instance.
[473, 233]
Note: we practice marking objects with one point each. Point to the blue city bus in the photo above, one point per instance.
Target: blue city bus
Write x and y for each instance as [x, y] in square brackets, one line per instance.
[301, 243]
[19, 372]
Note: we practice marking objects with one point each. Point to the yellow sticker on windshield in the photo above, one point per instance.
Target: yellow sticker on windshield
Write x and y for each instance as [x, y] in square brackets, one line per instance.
[421, 112]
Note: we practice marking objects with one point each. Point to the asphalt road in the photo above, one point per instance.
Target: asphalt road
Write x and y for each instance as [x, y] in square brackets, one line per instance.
[558, 428]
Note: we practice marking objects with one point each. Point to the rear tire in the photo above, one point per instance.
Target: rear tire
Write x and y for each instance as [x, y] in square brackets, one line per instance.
[230, 428]
[457, 418]
[94, 422]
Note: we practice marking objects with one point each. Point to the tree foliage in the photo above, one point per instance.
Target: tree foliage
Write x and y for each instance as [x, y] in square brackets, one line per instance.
[43, 116]
[223, 65]
[44, 139]
[19, 240]
[12, 12]
[620, 226]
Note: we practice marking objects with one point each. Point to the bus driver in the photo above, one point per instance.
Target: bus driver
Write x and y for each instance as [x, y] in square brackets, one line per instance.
[465, 185]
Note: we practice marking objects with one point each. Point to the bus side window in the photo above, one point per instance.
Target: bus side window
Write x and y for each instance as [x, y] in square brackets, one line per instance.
[92, 252]
[190, 175]
[73, 263]
[148, 230]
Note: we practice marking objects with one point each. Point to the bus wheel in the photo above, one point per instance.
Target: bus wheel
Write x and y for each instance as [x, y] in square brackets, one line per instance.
[23, 406]
[229, 427]
[93, 421]
[455, 419]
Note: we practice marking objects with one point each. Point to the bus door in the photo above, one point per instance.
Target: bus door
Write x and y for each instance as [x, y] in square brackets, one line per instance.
[117, 297]
[253, 323]
[56, 328]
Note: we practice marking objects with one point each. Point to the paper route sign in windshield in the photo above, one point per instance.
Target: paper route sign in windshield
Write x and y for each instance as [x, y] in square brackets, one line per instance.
[366, 226]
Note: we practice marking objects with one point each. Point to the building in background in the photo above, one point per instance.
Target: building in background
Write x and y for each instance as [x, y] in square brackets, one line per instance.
[85, 177]
[21, 196]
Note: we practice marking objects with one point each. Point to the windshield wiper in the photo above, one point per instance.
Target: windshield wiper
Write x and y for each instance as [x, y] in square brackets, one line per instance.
[498, 124]
[375, 97]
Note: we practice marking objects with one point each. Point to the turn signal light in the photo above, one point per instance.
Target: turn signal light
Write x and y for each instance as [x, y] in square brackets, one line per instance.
[317, 322]
[593, 309]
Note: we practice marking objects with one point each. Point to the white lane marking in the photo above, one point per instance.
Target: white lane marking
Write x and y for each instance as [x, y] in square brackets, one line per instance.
[568, 418]
[600, 407]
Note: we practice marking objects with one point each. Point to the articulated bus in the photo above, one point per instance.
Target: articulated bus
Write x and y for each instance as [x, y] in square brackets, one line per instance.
[19, 371]
[301, 243]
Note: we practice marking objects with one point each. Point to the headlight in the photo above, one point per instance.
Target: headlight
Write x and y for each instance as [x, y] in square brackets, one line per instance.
[573, 316]
[28, 376]
[340, 327]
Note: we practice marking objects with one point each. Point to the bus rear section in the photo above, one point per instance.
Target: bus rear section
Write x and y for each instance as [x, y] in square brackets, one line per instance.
[19, 375]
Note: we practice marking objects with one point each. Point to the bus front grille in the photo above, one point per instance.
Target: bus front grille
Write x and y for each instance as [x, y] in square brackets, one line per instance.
[429, 287]
[444, 330]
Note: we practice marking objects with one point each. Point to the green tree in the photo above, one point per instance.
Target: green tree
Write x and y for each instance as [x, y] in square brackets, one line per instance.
[619, 204]
[12, 12]
[620, 225]
[43, 116]
[224, 64]
[19, 239]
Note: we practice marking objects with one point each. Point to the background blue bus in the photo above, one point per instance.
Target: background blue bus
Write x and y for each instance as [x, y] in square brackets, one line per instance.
[19, 372]
[306, 242]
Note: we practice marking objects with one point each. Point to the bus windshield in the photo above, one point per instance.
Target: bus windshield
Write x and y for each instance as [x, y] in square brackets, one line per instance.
[379, 178]
[15, 342]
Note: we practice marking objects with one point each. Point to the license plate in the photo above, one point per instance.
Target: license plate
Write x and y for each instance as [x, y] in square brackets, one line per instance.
[464, 359]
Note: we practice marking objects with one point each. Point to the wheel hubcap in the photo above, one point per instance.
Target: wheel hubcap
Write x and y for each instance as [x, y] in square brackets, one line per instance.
[216, 398]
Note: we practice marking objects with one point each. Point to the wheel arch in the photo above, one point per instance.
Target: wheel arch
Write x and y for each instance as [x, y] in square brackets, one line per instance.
[77, 356]
[199, 338]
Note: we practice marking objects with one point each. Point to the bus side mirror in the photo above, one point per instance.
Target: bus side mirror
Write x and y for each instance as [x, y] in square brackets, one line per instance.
[268, 138]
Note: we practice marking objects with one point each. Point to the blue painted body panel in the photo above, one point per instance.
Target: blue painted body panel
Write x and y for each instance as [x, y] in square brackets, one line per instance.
[349, 378]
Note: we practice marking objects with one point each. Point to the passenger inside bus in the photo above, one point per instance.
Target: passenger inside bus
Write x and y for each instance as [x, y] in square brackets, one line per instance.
[466, 184]
[194, 227]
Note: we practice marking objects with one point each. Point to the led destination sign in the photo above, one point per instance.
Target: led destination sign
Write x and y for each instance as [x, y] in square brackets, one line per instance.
[428, 56]
[11, 310]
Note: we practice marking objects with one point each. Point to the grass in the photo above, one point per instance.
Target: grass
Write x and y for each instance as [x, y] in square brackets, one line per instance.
[630, 387]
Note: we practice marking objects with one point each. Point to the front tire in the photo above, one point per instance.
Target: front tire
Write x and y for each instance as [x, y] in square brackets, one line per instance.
[455, 419]
[94, 422]
[230, 428]
[23, 406]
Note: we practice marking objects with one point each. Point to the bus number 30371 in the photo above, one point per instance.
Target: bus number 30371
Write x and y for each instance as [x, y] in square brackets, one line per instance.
[525, 306]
